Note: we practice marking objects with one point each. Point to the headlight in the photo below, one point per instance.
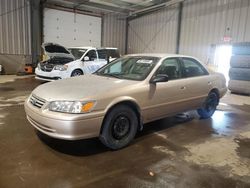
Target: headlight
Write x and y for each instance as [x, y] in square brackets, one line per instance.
[61, 67]
[75, 107]
[38, 66]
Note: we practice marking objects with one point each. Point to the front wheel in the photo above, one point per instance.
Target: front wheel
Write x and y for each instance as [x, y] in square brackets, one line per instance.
[76, 72]
[119, 127]
[209, 107]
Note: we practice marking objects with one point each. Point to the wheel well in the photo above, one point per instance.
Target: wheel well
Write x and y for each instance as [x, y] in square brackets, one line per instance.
[133, 106]
[77, 69]
[216, 91]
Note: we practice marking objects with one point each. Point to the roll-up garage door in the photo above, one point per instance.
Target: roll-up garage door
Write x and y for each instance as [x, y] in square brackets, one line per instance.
[71, 29]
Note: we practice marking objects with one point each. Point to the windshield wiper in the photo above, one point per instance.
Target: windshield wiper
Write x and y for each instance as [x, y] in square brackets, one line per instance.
[111, 75]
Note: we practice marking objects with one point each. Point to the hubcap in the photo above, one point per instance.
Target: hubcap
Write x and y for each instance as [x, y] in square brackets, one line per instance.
[77, 74]
[121, 127]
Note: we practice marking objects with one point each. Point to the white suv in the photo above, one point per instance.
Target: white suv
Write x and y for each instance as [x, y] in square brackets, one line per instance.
[63, 63]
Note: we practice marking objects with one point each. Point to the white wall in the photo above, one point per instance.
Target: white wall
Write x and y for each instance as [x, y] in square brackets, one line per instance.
[71, 29]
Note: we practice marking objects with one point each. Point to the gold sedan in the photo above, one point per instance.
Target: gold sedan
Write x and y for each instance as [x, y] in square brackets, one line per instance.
[115, 102]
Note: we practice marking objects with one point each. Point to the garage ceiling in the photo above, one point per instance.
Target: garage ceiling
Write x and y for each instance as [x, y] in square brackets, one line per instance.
[124, 7]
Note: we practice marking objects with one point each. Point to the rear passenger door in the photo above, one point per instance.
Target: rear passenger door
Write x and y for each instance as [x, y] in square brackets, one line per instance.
[198, 82]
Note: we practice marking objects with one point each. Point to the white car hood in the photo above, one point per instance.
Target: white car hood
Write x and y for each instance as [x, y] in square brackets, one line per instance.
[80, 88]
[56, 50]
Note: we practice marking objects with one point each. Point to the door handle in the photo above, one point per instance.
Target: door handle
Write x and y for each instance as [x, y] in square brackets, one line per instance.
[183, 87]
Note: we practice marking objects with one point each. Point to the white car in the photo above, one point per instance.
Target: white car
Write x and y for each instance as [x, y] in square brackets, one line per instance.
[75, 61]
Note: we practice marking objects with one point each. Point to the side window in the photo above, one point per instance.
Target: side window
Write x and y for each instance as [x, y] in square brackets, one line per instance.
[193, 68]
[102, 54]
[170, 67]
[113, 53]
[92, 55]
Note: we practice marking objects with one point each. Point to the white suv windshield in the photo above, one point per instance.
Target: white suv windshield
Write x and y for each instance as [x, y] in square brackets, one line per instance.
[132, 68]
[77, 52]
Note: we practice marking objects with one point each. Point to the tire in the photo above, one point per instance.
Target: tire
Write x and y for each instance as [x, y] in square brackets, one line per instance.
[242, 48]
[239, 74]
[209, 106]
[76, 72]
[239, 86]
[239, 61]
[119, 127]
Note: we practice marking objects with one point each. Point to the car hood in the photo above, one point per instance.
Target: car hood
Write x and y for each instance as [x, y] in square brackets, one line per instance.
[56, 50]
[81, 88]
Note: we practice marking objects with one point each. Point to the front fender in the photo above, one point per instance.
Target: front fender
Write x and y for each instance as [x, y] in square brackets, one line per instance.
[126, 99]
[121, 99]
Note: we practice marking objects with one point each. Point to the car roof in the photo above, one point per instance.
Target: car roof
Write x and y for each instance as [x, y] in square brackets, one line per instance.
[106, 48]
[82, 47]
[99, 48]
[159, 55]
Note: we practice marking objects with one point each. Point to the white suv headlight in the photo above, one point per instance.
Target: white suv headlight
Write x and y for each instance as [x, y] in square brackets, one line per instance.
[61, 67]
[74, 107]
[39, 66]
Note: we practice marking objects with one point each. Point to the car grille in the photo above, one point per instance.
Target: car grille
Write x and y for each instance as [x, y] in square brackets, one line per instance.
[46, 67]
[36, 101]
[49, 78]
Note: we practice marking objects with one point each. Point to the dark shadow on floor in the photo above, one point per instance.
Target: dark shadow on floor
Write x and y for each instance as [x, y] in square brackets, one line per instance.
[83, 147]
[93, 146]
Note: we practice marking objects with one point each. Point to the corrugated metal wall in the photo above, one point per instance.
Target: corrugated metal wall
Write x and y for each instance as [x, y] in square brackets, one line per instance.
[206, 23]
[155, 32]
[114, 32]
[15, 33]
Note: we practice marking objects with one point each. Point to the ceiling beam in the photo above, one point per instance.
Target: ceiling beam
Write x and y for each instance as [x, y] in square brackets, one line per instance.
[126, 5]
[99, 6]
[155, 7]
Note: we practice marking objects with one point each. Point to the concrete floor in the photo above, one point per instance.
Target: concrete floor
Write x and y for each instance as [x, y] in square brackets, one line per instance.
[173, 152]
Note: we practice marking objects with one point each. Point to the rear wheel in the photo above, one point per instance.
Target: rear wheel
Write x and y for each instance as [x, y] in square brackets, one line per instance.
[209, 107]
[119, 127]
[76, 72]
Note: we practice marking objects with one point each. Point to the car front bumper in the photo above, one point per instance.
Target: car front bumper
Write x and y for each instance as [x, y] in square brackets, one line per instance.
[63, 126]
[51, 76]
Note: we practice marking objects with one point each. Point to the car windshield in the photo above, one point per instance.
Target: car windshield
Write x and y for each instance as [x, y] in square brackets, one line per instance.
[77, 52]
[130, 67]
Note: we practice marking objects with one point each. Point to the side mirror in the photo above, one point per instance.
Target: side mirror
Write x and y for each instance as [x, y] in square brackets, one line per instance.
[159, 78]
[86, 58]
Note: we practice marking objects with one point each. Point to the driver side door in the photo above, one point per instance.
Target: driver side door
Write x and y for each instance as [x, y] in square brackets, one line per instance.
[92, 64]
[165, 98]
